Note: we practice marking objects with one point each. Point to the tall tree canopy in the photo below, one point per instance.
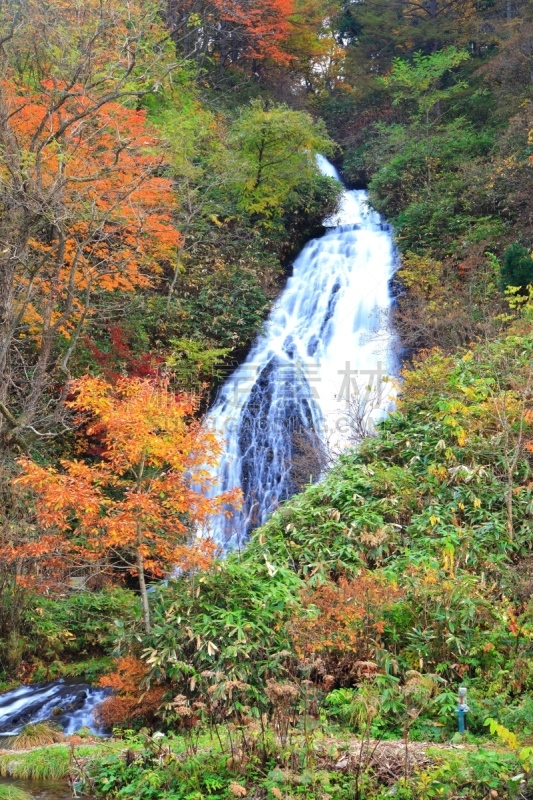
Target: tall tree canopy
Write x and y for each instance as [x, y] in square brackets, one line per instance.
[85, 209]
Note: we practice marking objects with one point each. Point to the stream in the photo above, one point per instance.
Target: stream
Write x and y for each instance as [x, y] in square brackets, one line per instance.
[70, 704]
[42, 790]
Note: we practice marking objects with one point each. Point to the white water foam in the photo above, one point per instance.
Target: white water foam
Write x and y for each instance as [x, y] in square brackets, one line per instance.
[71, 705]
[324, 340]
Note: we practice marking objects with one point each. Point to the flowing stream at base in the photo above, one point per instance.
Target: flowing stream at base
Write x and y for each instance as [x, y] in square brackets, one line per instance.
[70, 704]
[320, 361]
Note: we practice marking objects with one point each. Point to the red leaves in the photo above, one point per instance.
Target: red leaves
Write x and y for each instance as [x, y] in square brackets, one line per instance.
[121, 356]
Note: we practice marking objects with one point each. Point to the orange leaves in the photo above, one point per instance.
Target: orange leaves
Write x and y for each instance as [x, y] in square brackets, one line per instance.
[64, 493]
[240, 32]
[148, 490]
[344, 621]
[132, 700]
[120, 210]
[89, 209]
[144, 419]
[266, 23]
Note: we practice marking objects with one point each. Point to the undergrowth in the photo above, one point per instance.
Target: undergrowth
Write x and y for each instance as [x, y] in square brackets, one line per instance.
[37, 735]
[53, 762]
[13, 793]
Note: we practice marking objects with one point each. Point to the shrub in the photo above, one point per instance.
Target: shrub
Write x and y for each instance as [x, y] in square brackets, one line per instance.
[132, 701]
[517, 267]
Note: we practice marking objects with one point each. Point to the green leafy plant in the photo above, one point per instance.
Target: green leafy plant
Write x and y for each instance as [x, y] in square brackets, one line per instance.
[517, 267]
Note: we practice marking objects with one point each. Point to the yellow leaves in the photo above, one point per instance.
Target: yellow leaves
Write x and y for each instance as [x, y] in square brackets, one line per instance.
[421, 272]
[431, 577]
[434, 520]
[448, 563]
[477, 503]
[439, 471]
[503, 733]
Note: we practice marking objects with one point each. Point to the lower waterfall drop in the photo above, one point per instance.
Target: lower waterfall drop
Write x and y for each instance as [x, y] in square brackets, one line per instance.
[324, 341]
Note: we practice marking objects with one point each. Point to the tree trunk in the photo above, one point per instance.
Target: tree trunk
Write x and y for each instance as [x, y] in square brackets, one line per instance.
[140, 560]
[142, 586]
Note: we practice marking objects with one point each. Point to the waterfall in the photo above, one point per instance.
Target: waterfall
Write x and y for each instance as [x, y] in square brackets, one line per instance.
[324, 343]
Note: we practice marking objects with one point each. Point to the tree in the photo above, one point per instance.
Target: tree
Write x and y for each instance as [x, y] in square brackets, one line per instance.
[137, 504]
[239, 33]
[420, 82]
[277, 151]
[420, 86]
[317, 50]
[85, 210]
[376, 31]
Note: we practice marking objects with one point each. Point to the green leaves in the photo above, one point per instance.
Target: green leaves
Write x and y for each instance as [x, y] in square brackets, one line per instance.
[276, 148]
[233, 627]
[420, 82]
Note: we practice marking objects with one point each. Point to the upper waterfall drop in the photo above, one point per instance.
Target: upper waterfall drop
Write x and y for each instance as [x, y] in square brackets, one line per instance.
[324, 342]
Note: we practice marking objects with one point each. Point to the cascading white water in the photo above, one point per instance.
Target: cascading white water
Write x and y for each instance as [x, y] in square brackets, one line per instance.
[71, 705]
[324, 340]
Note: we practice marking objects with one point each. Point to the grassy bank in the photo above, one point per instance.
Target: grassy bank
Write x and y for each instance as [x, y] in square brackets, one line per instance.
[328, 763]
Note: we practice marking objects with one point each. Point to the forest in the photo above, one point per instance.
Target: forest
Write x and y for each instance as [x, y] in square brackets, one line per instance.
[159, 177]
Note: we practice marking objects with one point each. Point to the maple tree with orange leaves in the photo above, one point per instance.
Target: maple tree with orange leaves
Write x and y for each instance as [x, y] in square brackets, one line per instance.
[86, 210]
[137, 506]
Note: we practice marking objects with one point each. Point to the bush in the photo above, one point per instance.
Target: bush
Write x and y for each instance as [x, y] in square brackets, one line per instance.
[37, 735]
[48, 634]
[517, 267]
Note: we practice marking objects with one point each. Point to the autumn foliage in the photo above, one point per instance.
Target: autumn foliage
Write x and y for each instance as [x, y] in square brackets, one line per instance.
[340, 633]
[238, 33]
[131, 699]
[85, 207]
[120, 210]
[136, 505]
